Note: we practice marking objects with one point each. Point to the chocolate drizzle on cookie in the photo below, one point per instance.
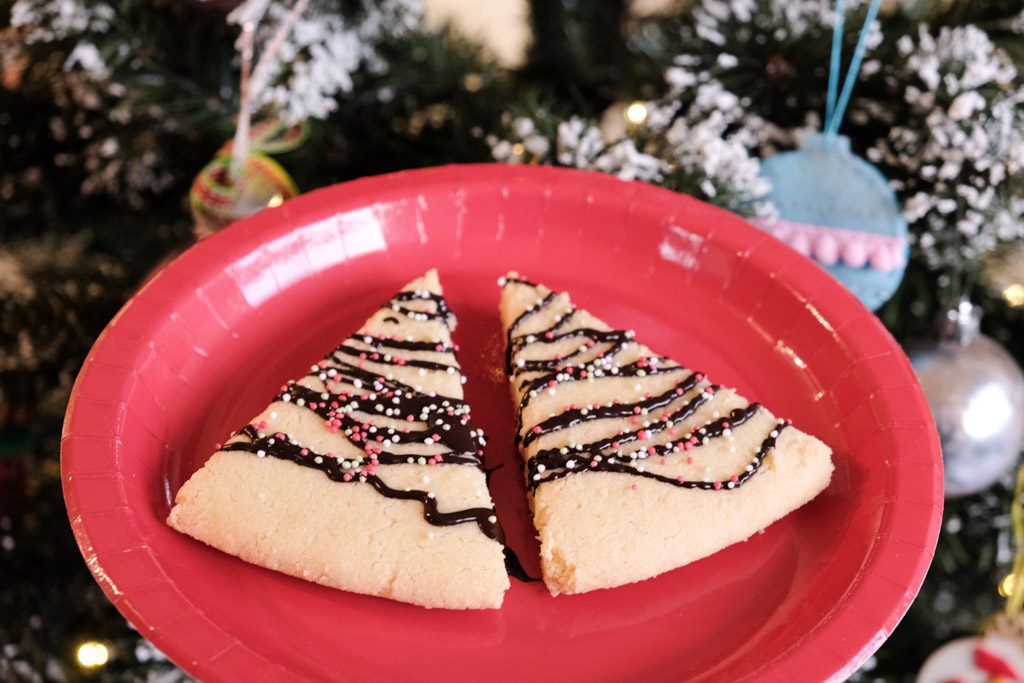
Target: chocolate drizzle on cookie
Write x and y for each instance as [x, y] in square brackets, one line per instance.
[380, 416]
[593, 359]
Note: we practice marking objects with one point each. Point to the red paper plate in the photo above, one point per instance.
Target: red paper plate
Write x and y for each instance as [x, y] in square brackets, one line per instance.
[205, 344]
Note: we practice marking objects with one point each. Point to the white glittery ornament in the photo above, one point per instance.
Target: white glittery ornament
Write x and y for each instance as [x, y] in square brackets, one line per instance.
[976, 393]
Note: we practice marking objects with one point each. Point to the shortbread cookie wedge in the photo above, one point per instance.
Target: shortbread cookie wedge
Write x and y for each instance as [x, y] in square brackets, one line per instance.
[635, 464]
[366, 474]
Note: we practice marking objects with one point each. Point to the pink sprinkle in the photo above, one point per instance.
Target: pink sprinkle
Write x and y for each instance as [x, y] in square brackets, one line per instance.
[583, 374]
[680, 479]
[651, 450]
[615, 444]
[304, 451]
[347, 476]
[662, 461]
[718, 486]
[408, 418]
[400, 361]
[363, 355]
[439, 348]
[672, 431]
[217, 445]
[725, 425]
[699, 376]
[634, 419]
[262, 424]
[537, 429]
[551, 383]
[328, 454]
[643, 434]
[734, 478]
[634, 487]
[689, 460]
[679, 392]
[636, 410]
[548, 335]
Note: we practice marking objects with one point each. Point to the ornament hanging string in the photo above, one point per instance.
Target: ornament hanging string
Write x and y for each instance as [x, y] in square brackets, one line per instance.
[835, 107]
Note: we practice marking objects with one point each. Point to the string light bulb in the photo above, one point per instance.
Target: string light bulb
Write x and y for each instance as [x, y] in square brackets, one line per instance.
[92, 654]
[1006, 585]
[636, 113]
[1014, 295]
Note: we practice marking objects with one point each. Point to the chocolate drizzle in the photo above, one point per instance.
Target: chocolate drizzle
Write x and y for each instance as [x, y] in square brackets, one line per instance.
[378, 414]
[331, 466]
[613, 453]
[441, 311]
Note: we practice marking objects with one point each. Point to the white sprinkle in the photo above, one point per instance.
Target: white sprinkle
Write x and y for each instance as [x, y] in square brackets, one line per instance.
[426, 479]
[570, 464]
[731, 484]
[479, 493]
[261, 453]
[430, 534]
[318, 460]
[774, 434]
[541, 468]
[273, 415]
[492, 519]
[286, 397]
[430, 495]
[520, 362]
[502, 281]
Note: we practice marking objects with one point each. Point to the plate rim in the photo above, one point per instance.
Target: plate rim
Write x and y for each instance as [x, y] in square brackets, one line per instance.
[829, 298]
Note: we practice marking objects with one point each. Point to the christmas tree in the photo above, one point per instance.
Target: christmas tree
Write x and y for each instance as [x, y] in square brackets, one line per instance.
[110, 110]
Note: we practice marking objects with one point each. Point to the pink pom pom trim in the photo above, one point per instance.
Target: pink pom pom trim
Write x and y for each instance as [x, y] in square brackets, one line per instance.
[838, 245]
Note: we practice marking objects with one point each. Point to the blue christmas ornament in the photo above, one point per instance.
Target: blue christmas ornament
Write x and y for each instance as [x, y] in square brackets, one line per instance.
[833, 206]
[841, 211]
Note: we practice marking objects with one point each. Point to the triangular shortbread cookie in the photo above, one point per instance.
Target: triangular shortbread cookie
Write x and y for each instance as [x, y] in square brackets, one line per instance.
[366, 474]
[635, 464]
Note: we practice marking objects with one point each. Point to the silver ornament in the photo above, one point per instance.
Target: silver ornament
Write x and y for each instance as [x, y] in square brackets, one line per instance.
[976, 393]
